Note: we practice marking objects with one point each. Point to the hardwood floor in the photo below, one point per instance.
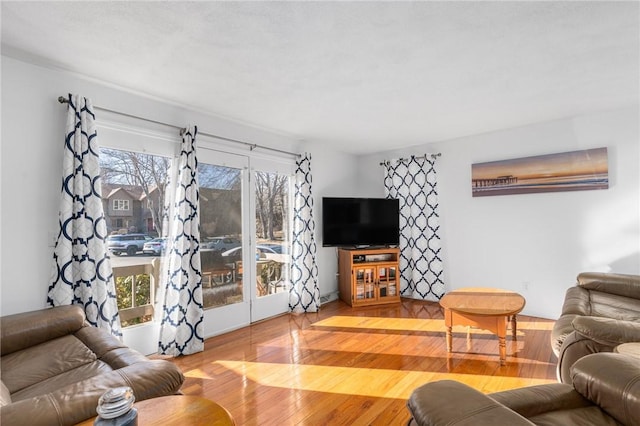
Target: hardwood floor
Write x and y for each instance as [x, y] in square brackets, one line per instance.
[345, 366]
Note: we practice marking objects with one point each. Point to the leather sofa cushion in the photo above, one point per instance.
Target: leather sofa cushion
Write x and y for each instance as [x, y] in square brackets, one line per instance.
[76, 402]
[38, 363]
[614, 306]
[553, 404]
[83, 372]
[447, 402]
[21, 331]
[108, 348]
[587, 416]
[536, 400]
[612, 381]
[607, 331]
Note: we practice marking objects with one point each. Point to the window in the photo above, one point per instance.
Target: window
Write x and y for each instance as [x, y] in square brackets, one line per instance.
[136, 276]
[121, 204]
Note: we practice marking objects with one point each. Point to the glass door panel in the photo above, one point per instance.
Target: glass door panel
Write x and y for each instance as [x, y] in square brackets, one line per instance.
[222, 179]
[387, 285]
[272, 231]
[365, 283]
[220, 234]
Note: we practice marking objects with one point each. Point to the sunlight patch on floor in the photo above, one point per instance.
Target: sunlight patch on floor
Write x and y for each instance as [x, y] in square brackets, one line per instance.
[398, 324]
[411, 324]
[371, 382]
[197, 373]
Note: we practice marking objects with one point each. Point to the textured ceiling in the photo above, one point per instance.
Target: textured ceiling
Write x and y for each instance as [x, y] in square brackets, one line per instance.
[362, 76]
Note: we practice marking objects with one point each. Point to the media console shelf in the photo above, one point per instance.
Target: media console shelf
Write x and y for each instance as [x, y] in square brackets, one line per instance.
[369, 276]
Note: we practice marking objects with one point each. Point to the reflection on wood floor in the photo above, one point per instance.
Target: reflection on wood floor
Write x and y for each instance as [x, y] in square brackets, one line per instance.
[356, 366]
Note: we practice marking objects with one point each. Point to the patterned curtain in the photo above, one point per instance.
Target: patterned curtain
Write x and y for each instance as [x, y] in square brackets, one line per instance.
[413, 182]
[81, 272]
[304, 295]
[181, 329]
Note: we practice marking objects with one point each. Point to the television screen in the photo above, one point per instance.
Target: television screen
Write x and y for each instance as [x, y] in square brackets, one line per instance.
[360, 222]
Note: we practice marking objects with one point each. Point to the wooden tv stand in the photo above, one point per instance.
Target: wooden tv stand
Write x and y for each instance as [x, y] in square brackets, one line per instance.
[369, 276]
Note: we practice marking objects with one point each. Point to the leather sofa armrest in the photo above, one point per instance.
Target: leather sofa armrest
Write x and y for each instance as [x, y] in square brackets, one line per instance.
[21, 331]
[574, 347]
[576, 302]
[532, 401]
[108, 348]
[77, 402]
[612, 381]
[607, 331]
[448, 402]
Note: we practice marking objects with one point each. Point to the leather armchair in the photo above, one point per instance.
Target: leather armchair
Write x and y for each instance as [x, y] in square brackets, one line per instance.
[55, 367]
[601, 312]
[605, 391]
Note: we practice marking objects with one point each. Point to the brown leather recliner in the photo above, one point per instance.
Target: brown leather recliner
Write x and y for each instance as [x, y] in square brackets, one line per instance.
[605, 391]
[599, 313]
[55, 367]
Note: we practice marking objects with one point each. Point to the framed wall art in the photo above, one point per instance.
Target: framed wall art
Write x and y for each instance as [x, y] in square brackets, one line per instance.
[566, 171]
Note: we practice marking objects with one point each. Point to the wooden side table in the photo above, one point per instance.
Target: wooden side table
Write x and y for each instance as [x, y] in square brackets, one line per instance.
[486, 308]
[631, 348]
[179, 410]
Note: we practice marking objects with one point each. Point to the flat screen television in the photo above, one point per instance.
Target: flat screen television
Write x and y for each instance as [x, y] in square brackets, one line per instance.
[360, 222]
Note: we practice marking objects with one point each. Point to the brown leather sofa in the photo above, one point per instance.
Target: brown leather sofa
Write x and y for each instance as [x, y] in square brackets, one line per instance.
[605, 391]
[599, 313]
[55, 367]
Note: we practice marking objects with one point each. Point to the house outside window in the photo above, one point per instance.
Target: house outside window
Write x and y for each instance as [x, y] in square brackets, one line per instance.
[120, 204]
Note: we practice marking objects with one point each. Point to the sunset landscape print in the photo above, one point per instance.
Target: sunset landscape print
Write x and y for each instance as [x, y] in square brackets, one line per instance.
[567, 171]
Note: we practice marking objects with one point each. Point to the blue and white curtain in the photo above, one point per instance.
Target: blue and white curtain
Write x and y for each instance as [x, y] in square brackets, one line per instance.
[81, 272]
[181, 329]
[413, 181]
[304, 295]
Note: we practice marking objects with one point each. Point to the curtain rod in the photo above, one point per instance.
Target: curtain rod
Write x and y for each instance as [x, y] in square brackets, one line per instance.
[251, 146]
[399, 160]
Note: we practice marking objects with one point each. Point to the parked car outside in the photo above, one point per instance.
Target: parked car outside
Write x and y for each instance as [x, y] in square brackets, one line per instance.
[221, 243]
[278, 248]
[155, 247]
[126, 243]
[235, 254]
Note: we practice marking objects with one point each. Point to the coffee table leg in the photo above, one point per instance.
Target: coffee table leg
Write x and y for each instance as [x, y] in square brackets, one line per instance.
[501, 332]
[514, 328]
[503, 350]
[449, 339]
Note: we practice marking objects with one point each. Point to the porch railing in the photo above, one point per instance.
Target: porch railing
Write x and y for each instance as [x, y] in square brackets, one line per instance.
[136, 287]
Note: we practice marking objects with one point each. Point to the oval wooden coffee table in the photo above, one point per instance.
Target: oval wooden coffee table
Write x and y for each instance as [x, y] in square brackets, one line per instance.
[486, 308]
[179, 410]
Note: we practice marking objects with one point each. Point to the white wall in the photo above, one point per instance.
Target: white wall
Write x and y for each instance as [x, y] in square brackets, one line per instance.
[334, 175]
[543, 239]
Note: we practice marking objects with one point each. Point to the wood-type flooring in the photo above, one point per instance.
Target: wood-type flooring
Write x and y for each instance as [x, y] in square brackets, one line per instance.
[356, 366]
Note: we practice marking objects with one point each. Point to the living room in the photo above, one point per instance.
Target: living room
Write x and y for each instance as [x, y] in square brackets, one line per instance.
[534, 244]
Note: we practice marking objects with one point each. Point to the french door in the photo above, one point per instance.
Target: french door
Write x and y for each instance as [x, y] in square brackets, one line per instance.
[245, 251]
[272, 207]
[245, 243]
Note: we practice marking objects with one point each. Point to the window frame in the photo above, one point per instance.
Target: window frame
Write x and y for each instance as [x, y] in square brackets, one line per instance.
[118, 202]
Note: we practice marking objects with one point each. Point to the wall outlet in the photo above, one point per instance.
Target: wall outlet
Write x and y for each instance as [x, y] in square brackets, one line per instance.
[525, 285]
